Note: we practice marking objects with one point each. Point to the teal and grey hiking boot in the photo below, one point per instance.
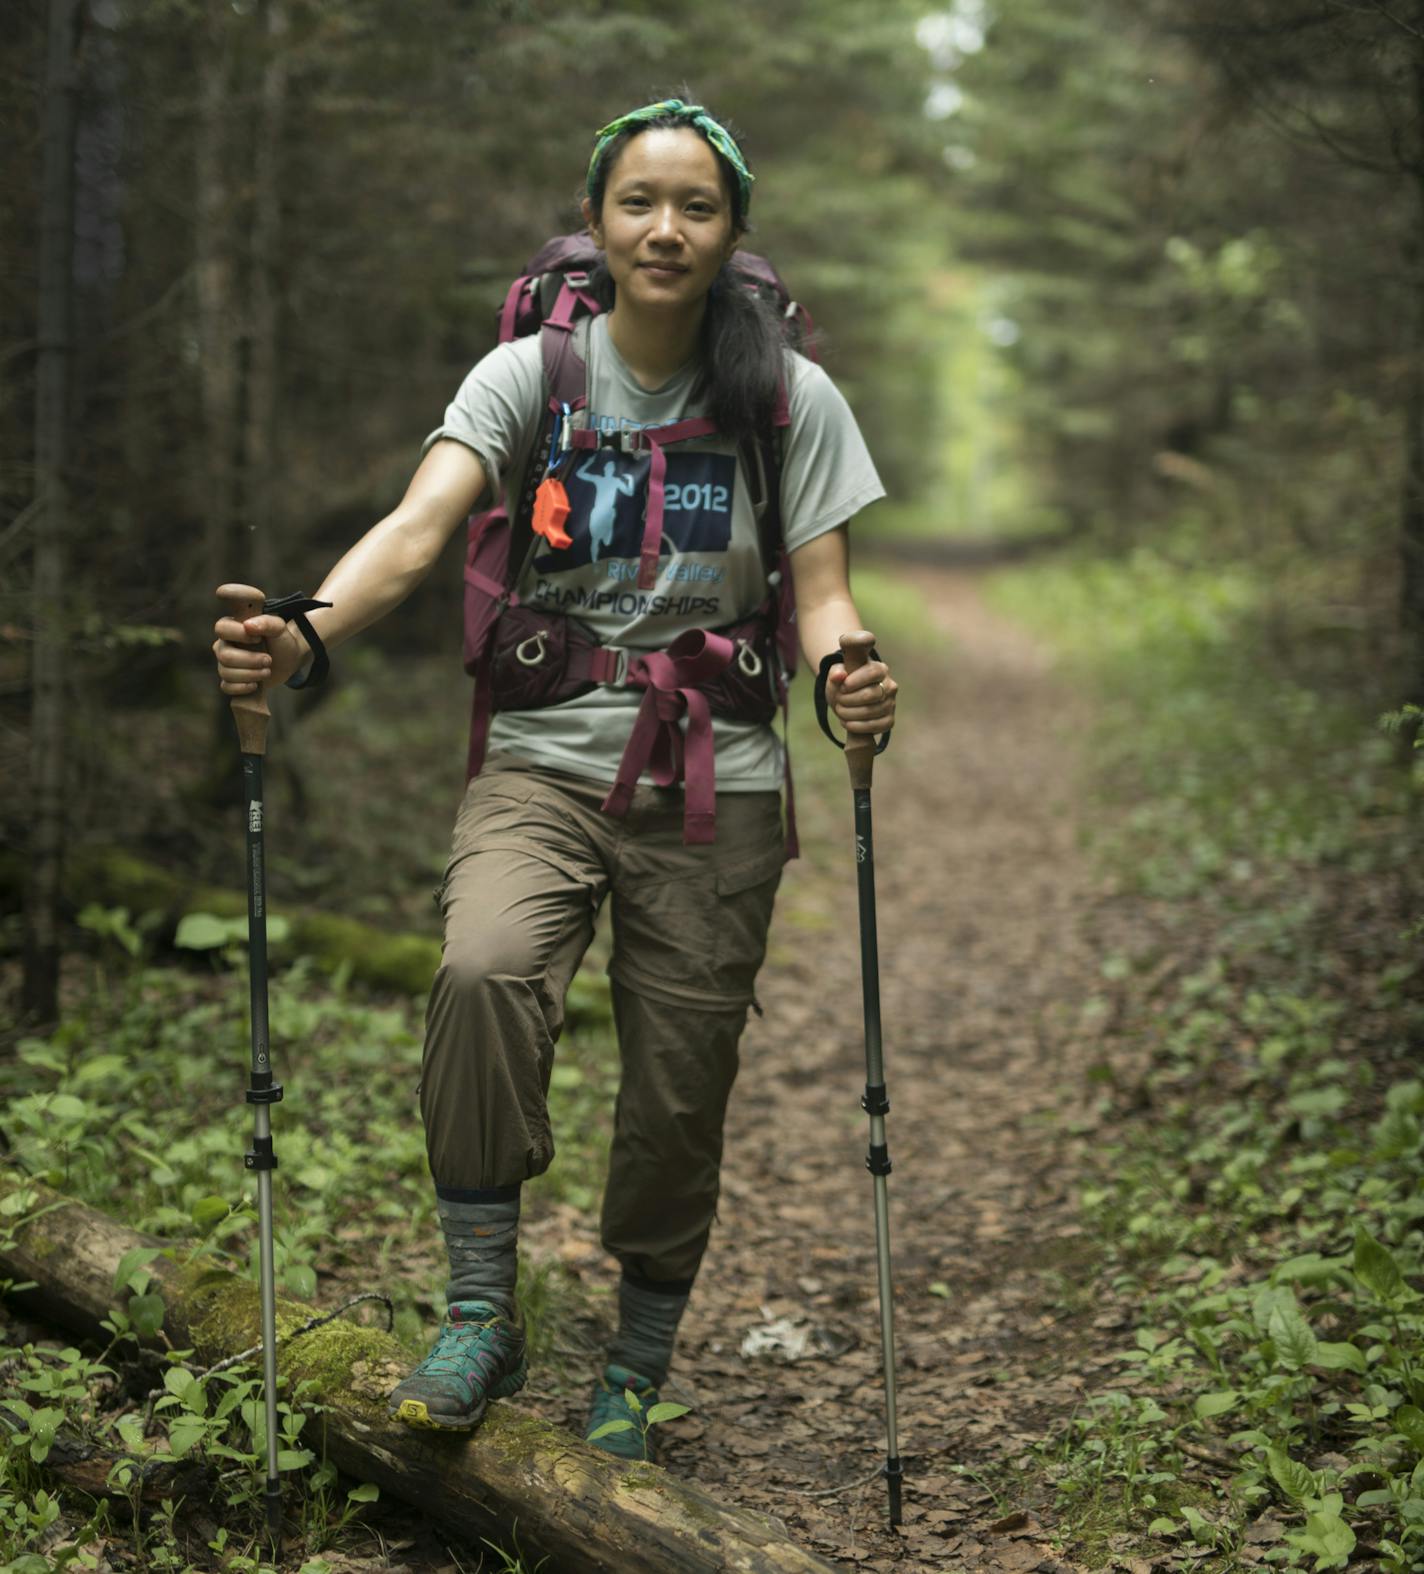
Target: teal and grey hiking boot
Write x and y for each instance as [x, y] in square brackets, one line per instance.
[611, 1403]
[478, 1356]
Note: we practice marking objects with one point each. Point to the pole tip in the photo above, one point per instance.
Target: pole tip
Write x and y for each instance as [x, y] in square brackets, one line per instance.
[894, 1475]
[273, 1496]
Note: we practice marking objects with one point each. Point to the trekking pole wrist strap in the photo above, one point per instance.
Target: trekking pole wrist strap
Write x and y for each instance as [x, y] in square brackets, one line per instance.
[295, 608]
[823, 709]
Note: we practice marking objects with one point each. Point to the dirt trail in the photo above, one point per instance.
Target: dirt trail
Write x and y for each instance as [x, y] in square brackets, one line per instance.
[986, 958]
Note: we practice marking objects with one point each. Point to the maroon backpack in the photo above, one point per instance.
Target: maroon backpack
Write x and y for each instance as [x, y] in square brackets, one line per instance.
[522, 657]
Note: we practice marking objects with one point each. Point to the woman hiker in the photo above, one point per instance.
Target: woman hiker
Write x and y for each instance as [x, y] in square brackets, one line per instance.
[534, 851]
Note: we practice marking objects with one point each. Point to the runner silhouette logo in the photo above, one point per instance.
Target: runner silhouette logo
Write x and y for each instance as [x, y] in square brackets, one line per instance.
[607, 492]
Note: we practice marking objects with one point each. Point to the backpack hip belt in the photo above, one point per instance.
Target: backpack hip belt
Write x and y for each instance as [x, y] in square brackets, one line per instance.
[544, 658]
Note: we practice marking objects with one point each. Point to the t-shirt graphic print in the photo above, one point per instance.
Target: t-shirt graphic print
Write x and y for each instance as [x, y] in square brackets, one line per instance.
[597, 572]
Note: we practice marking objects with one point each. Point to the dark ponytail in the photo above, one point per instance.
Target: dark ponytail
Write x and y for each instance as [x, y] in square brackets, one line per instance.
[743, 356]
[743, 347]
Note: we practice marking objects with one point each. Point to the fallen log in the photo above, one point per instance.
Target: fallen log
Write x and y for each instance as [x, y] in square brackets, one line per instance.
[378, 958]
[582, 1508]
[114, 877]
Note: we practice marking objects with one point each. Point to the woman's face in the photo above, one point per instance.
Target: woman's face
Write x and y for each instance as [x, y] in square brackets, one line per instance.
[666, 225]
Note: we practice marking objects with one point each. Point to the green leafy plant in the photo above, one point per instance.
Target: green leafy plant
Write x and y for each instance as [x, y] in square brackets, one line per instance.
[511, 1558]
[112, 923]
[208, 932]
[646, 1419]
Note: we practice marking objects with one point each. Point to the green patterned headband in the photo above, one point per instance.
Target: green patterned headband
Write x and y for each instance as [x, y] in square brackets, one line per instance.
[691, 114]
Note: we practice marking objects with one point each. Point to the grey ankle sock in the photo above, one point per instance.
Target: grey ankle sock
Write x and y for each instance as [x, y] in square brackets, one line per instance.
[481, 1241]
[647, 1326]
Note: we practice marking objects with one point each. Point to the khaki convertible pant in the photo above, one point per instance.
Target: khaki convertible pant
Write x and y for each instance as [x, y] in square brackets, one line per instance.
[532, 861]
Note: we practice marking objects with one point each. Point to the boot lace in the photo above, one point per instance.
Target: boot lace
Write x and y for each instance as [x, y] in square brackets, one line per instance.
[461, 1346]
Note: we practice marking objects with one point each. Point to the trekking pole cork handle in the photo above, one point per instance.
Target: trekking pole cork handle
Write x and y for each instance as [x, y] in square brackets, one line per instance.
[249, 711]
[859, 746]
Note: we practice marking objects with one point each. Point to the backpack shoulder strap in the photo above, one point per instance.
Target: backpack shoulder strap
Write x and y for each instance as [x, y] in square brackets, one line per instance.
[764, 457]
[563, 349]
[565, 383]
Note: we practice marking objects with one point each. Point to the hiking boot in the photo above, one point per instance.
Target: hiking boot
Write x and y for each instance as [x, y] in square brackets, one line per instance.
[478, 1356]
[610, 1403]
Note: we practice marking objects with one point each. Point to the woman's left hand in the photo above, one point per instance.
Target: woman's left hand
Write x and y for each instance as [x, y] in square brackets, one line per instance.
[864, 700]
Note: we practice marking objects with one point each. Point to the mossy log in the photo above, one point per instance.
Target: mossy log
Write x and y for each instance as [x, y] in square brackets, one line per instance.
[581, 1508]
[115, 878]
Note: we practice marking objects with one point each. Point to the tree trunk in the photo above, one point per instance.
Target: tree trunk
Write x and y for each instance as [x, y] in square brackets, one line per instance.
[583, 1509]
[263, 492]
[40, 999]
[213, 248]
[221, 471]
[1411, 540]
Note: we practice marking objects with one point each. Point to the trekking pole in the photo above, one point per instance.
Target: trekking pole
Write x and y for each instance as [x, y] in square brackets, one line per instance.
[860, 751]
[251, 713]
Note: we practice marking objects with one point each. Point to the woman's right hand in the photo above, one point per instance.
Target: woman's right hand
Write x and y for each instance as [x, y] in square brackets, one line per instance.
[243, 666]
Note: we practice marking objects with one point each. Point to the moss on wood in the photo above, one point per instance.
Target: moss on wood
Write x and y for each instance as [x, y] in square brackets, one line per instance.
[115, 878]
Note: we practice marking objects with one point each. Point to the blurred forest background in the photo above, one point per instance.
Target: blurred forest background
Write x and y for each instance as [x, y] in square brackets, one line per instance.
[1148, 276]
[1128, 297]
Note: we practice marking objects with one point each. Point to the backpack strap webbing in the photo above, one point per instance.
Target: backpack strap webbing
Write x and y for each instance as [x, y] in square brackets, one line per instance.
[768, 454]
[509, 312]
[518, 551]
[671, 681]
[565, 370]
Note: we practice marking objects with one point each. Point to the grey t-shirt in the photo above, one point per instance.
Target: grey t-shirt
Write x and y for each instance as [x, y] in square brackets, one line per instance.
[711, 571]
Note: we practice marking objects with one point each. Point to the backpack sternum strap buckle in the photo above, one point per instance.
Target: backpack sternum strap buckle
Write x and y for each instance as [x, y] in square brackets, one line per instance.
[629, 440]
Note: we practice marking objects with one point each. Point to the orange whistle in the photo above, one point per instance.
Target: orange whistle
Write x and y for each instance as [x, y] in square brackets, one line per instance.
[551, 509]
